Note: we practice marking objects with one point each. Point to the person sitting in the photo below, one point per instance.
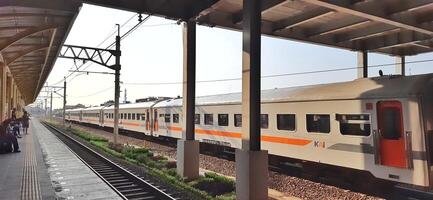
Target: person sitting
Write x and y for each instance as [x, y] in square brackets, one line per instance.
[9, 135]
[16, 128]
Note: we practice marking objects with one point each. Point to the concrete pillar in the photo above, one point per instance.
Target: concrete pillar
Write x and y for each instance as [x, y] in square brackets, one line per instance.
[2, 92]
[251, 161]
[400, 65]
[8, 95]
[362, 64]
[188, 147]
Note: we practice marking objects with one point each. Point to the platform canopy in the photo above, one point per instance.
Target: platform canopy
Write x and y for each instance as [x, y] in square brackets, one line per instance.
[31, 34]
[394, 27]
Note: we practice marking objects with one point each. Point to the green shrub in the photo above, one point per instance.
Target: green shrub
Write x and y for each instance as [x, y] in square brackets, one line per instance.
[171, 164]
[214, 184]
[116, 147]
[228, 196]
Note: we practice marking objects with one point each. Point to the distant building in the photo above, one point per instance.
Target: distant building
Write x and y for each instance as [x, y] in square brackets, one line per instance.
[68, 107]
[151, 99]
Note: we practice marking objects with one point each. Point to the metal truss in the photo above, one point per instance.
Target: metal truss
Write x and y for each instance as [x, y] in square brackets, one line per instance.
[90, 54]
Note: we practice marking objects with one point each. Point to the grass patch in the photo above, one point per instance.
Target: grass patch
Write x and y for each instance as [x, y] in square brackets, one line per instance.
[210, 186]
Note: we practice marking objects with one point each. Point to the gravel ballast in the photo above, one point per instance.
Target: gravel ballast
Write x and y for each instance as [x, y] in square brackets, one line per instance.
[289, 185]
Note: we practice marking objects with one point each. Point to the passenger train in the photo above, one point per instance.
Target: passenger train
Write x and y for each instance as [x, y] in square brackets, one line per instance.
[381, 125]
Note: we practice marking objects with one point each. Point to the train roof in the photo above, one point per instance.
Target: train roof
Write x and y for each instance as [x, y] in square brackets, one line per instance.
[364, 88]
[92, 108]
[132, 105]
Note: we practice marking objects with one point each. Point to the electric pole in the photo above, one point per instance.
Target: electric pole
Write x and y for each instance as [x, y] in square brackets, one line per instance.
[117, 68]
[64, 101]
[51, 106]
[124, 97]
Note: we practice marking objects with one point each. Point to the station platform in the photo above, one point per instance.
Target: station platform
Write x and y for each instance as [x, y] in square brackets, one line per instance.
[46, 169]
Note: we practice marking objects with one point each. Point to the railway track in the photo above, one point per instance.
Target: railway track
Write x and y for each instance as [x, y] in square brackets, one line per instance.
[123, 182]
[380, 190]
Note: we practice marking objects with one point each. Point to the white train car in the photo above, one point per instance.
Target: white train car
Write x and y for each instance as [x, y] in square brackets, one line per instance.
[132, 117]
[73, 115]
[92, 115]
[381, 125]
[374, 125]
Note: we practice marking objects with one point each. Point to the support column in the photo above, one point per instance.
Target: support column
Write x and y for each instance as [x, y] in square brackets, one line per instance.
[3, 92]
[251, 161]
[8, 95]
[188, 147]
[400, 65]
[362, 64]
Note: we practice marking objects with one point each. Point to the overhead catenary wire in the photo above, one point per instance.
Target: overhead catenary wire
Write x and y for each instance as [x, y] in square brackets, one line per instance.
[281, 75]
[112, 44]
[95, 93]
[102, 42]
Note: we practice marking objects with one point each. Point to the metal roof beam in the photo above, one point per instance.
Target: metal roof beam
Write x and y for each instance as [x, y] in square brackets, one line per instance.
[25, 52]
[301, 19]
[371, 31]
[25, 66]
[53, 35]
[185, 9]
[337, 26]
[266, 7]
[65, 5]
[23, 34]
[394, 40]
[374, 12]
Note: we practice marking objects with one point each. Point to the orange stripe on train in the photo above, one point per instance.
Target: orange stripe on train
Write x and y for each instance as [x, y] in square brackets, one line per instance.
[292, 141]
[265, 138]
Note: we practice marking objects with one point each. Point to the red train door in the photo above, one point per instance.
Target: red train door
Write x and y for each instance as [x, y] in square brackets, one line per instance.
[391, 134]
[147, 120]
[155, 120]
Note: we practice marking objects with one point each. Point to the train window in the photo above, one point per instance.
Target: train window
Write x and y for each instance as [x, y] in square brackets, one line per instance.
[286, 122]
[175, 118]
[264, 121]
[167, 118]
[129, 115]
[238, 120]
[208, 119]
[138, 116]
[121, 115]
[143, 117]
[223, 119]
[353, 124]
[197, 119]
[318, 123]
[390, 120]
[133, 116]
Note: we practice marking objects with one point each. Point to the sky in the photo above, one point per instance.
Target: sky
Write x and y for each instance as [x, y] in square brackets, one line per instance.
[153, 54]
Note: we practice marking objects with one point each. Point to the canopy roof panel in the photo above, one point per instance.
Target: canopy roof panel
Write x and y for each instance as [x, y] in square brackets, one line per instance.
[31, 34]
[394, 27]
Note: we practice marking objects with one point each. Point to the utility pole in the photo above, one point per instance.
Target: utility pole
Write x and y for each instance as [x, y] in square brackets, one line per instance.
[124, 97]
[64, 101]
[51, 106]
[46, 106]
[117, 68]
[95, 55]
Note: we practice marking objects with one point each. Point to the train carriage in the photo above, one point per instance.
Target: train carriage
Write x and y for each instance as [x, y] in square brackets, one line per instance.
[381, 125]
[132, 117]
[92, 115]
